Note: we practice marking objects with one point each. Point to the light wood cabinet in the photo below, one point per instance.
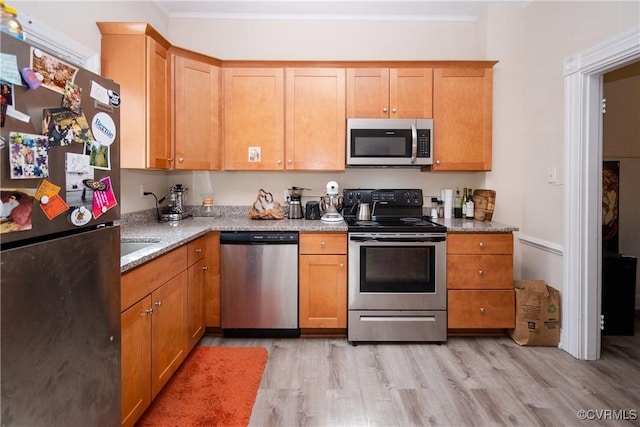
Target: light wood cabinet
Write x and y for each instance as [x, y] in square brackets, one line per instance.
[315, 119]
[254, 118]
[152, 324]
[212, 280]
[196, 110]
[462, 113]
[167, 331]
[258, 134]
[480, 281]
[137, 57]
[323, 280]
[389, 92]
[136, 361]
[196, 253]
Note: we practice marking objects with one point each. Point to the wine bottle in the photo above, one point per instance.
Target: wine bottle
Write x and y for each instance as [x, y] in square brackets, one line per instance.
[457, 205]
[470, 205]
[464, 203]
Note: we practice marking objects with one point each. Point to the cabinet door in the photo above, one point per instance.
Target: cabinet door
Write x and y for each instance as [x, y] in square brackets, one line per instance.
[368, 93]
[168, 330]
[462, 112]
[159, 144]
[410, 93]
[196, 114]
[212, 280]
[195, 304]
[136, 361]
[254, 118]
[323, 291]
[316, 125]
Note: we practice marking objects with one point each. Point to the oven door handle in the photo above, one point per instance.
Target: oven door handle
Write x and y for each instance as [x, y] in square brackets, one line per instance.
[399, 239]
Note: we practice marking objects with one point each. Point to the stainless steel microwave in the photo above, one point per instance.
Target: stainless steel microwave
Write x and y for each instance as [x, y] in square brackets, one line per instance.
[389, 142]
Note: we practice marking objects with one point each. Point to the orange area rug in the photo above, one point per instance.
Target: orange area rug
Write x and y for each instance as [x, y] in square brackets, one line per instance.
[215, 386]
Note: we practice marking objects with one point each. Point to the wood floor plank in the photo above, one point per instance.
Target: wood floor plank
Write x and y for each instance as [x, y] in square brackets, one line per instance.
[467, 381]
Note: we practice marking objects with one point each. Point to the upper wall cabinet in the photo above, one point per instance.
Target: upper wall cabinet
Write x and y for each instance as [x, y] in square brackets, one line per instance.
[255, 134]
[315, 119]
[254, 118]
[462, 119]
[389, 92]
[196, 110]
[137, 57]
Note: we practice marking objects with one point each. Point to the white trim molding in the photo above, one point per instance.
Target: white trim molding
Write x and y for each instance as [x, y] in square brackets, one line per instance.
[541, 244]
[581, 269]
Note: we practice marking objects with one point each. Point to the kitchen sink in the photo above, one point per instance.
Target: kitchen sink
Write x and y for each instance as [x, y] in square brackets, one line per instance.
[129, 247]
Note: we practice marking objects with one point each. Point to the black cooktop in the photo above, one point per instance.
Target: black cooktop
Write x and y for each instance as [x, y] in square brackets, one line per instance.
[396, 225]
[392, 210]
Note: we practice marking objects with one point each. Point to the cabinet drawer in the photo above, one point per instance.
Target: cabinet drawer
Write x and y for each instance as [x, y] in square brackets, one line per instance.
[195, 250]
[481, 309]
[480, 272]
[138, 283]
[323, 243]
[480, 243]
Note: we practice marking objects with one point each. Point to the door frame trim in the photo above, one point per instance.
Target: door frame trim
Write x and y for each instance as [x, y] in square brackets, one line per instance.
[581, 270]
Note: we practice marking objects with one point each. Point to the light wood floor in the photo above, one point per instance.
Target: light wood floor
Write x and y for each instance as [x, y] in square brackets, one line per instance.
[464, 382]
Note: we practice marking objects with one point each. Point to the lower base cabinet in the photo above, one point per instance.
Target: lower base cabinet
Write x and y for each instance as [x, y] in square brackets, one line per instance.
[162, 319]
[323, 280]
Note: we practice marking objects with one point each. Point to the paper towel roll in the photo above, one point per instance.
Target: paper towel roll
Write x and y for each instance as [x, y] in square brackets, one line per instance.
[446, 195]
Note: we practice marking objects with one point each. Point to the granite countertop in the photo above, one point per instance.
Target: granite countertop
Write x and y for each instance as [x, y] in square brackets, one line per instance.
[458, 225]
[163, 237]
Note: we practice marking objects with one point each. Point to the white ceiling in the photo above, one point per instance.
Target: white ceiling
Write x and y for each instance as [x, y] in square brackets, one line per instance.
[421, 10]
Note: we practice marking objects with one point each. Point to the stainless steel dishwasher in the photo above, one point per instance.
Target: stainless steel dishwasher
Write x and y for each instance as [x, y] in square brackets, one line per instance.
[259, 284]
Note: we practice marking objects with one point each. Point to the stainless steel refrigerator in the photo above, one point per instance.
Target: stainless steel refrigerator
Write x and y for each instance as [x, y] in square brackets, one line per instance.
[60, 242]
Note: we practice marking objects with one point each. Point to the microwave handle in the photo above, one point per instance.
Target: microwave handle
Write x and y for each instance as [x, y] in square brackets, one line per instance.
[414, 143]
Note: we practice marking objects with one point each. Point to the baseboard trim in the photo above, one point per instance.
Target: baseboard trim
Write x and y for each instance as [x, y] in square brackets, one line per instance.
[544, 245]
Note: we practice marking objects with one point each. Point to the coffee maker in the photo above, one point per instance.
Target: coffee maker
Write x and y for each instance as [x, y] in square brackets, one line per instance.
[331, 204]
[295, 206]
[175, 210]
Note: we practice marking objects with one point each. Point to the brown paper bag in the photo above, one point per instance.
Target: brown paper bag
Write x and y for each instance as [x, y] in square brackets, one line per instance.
[537, 314]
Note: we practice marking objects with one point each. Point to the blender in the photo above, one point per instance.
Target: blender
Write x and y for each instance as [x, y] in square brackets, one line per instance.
[331, 204]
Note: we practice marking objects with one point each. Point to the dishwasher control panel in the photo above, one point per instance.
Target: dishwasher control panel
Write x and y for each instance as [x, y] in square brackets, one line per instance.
[257, 237]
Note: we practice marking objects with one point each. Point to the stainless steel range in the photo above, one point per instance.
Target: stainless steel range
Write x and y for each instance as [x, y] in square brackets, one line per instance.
[397, 268]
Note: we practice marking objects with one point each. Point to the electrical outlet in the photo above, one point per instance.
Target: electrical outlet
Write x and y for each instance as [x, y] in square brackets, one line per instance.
[552, 175]
[286, 196]
[143, 189]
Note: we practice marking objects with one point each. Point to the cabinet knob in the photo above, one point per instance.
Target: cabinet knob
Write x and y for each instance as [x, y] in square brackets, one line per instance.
[385, 109]
[205, 267]
[147, 312]
[481, 244]
[393, 110]
[170, 159]
[342, 265]
[323, 244]
[279, 162]
[482, 310]
[480, 272]
[289, 161]
[198, 250]
[437, 162]
[159, 304]
[181, 159]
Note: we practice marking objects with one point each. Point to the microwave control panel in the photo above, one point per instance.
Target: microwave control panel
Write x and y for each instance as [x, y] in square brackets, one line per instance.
[424, 146]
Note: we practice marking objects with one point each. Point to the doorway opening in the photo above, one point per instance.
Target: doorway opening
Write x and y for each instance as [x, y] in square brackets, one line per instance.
[583, 78]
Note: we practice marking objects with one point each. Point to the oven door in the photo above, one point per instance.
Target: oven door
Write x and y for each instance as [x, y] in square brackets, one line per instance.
[397, 271]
